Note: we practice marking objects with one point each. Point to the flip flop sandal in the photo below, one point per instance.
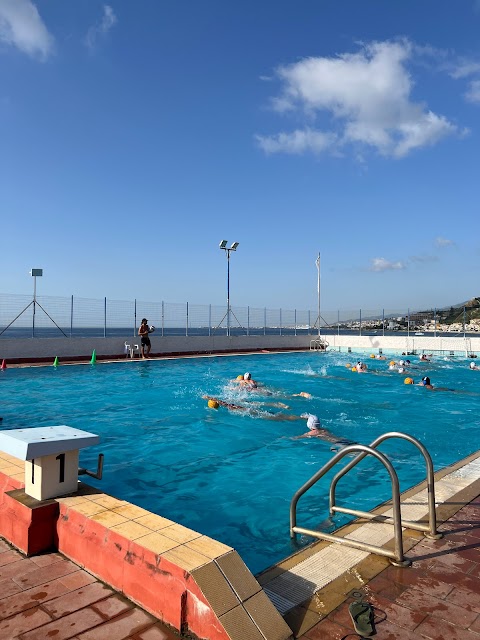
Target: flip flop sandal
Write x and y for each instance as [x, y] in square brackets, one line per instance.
[362, 618]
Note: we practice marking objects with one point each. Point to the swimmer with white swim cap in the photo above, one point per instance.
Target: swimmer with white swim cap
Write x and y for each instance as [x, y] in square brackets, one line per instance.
[473, 366]
[315, 430]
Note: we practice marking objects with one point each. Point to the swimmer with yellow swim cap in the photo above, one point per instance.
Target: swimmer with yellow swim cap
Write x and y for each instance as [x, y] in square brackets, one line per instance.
[408, 381]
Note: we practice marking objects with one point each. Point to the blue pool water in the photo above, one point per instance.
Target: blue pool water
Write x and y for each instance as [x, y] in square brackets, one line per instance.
[231, 474]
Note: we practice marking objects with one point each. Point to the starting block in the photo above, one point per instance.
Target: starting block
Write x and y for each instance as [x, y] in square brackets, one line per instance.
[51, 457]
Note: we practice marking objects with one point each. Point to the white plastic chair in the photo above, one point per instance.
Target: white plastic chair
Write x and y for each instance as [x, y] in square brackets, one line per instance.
[131, 350]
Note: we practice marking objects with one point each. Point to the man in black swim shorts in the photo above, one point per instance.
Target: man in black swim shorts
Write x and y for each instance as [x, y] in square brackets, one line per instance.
[145, 340]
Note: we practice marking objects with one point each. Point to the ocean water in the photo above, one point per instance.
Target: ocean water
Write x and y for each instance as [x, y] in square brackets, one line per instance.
[231, 474]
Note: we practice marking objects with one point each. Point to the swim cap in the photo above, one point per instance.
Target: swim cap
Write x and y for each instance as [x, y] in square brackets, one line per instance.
[213, 404]
[472, 365]
[401, 370]
[392, 363]
[354, 368]
[313, 422]
[401, 363]
[240, 377]
[372, 355]
[408, 381]
[426, 380]
[247, 376]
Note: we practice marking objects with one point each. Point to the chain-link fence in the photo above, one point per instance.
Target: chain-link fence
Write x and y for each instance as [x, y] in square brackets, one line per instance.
[52, 316]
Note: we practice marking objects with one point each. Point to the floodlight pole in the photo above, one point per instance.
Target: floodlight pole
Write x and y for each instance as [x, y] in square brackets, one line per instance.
[317, 262]
[223, 246]
[35, 273]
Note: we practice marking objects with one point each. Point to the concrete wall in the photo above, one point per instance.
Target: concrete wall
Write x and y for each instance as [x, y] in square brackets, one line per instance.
[401, 344]
[47, 348]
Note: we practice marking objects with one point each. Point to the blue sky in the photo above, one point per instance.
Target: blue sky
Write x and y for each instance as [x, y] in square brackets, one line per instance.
[135, 136]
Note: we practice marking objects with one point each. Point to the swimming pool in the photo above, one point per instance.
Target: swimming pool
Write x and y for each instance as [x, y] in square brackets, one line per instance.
[231, 474]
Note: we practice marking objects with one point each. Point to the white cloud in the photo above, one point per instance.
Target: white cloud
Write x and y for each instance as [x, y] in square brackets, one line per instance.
[21, 26]
[296, 142]
[366, 95]
[101, 28]
[473, 92]
[381, 264]
[443, 242]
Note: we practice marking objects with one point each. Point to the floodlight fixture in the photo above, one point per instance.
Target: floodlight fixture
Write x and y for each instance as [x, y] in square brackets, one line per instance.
[36, 272]
[223, 244]
[234, 246]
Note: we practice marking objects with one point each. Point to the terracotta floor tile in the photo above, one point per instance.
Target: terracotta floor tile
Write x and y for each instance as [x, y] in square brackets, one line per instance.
[16, 569]
[437, 608]
[22, 622]
[4, 546]
[45, 574]
[113, 606]
[66, 627]
[155, 633]
[446, 559]
[75, 600]
[128, 624]
[387, 630]
[401, 615]
[442, 630]
[30, 598]
[8, 587]
[326, 630]
[47, 558]
[415, 578]
[475, 626]
[466, 599]
[77, 579]
[9, 556]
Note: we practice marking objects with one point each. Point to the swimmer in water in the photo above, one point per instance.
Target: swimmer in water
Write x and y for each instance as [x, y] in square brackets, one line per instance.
[315, 431]
[474, 367]
[304, 394]
[215, 403]
[425, 358]
[246, 381]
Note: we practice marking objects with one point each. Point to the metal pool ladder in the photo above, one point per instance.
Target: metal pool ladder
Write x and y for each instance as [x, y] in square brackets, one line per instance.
[397, 556]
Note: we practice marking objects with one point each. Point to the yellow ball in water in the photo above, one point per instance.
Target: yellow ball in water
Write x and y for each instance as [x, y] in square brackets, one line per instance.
[372, 355]
[353, 369]
[213, 404]
[408, 381]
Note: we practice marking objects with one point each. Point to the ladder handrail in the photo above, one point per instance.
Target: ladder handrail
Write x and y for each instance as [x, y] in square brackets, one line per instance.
[365, 450]
[432, 519]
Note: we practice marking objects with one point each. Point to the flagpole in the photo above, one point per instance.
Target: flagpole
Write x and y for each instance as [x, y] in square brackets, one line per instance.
[317, 262]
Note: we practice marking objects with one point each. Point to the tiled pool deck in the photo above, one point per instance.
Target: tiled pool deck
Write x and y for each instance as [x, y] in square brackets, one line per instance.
[438, 598]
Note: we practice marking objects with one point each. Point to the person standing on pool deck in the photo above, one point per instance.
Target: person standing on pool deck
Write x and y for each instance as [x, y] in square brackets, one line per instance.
[145, 340]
